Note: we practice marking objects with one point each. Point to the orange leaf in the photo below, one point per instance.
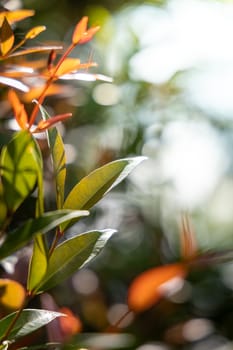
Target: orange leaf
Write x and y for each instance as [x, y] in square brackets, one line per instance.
[7, 37]
[19, 110]
[79, 30]
[67, 66]
[46, 124]
[32, 33]
[188, 241]
[35, 92]
[12, 294]
[149, 287]
[70, 324]
[15, 16]
[81, 35]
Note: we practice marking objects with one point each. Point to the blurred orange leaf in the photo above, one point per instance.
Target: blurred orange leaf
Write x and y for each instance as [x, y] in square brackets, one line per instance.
[32, 33]
[81, 34]
[12, 294]
[6, 37]
[149, 287]
[19, 110]
[67, 66]
[70, 324]
[15, 16]
[35, 92]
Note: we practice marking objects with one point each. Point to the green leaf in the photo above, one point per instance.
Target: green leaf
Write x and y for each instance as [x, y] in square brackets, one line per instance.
[19, 169]
[3, 206]
[29, 321]
[73, 254]
[99, 182]
[20, 236]
[58, 158]
[39, 264]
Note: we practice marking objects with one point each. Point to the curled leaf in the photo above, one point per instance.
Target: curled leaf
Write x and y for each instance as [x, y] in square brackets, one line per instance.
[14, 83]
[149, 287]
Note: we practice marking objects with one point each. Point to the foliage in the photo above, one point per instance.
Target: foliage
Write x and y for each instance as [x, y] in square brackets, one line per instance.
[54, 254]
[22, 172]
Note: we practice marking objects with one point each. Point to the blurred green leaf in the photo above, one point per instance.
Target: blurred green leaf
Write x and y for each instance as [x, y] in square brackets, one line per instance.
[29, 321]
[99, 182]
[3, 206]
[58, 158]
[19, 169]
[73, 254]
[20, 236]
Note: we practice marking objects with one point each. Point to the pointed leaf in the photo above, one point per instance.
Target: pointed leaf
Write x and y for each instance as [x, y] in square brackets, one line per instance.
[19, 169]
[29, 321]
[6, 37]
[14, 83]
[79, 30]
[34, 32]
[16, 16]
[94, 186]
[67, 66]
[74, 253]
[12, 294]
[149, 287]
[58, 159]
[48, 221]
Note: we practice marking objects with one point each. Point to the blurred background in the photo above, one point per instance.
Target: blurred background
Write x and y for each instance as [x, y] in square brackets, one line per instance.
[171, 100]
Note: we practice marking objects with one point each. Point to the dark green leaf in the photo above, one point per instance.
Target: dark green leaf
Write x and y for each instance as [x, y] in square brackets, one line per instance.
[20, 236]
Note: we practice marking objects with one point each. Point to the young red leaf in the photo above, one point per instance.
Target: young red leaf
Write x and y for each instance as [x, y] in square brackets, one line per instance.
[46, 124]
[19, 110]
[149, 287]
[6, 37]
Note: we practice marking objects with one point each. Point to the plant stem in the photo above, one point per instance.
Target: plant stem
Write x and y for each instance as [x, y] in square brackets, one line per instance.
[15, 319]
[47, 85]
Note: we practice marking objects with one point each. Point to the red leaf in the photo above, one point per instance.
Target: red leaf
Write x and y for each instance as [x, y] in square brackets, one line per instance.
[149, 287]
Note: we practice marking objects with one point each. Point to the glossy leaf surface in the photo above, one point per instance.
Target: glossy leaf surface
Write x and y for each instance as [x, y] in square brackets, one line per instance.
[29, 321]
[22, 235]
[149, 287]
[14, 83]
[19, 169]
[71, 255]
[94, 186]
